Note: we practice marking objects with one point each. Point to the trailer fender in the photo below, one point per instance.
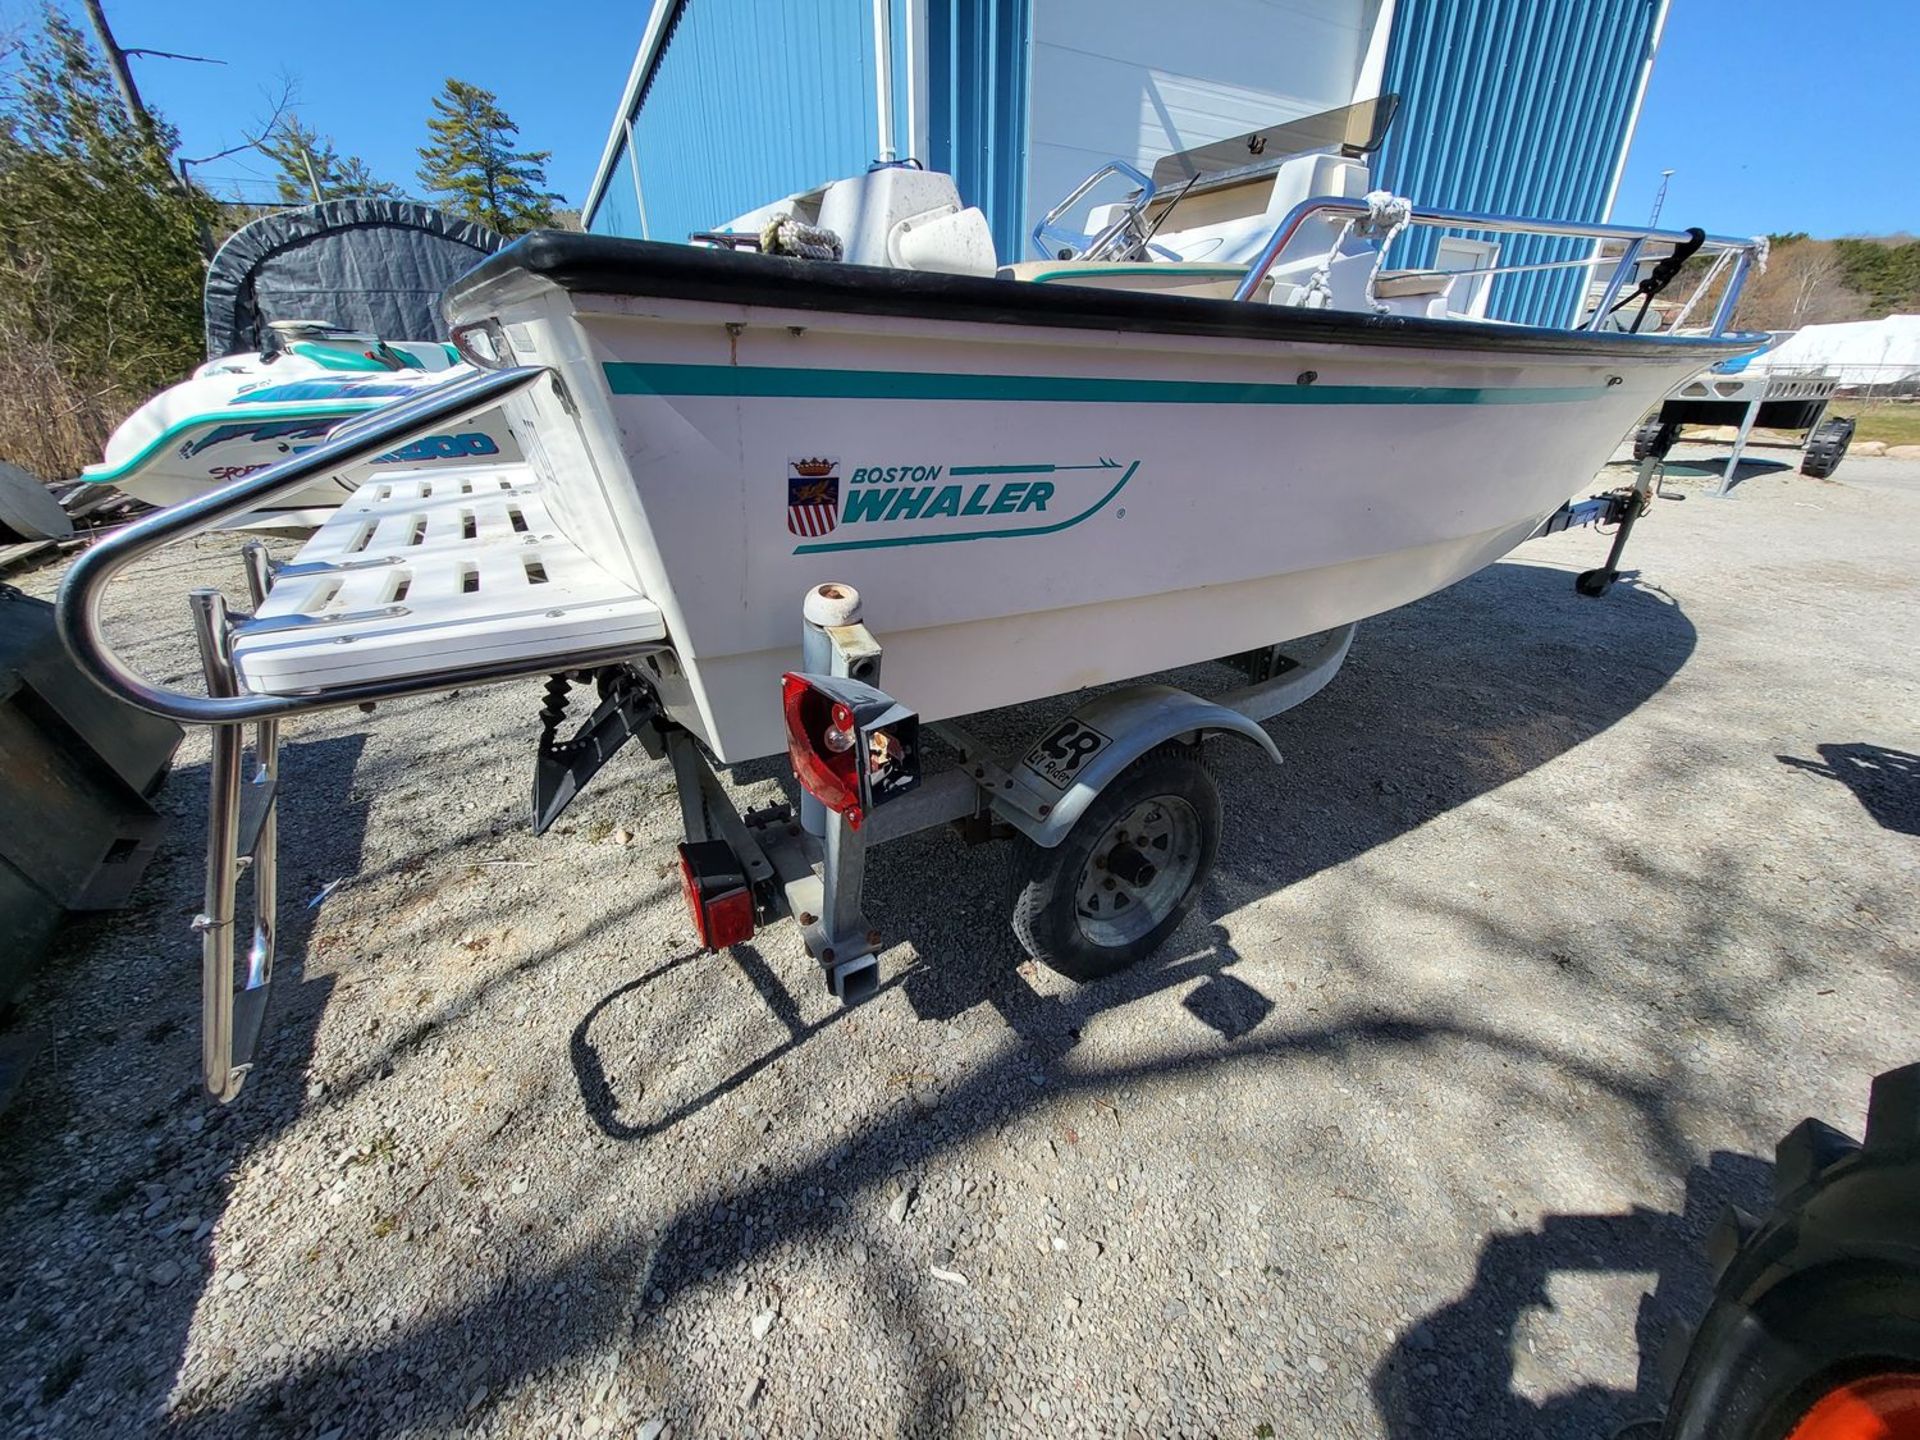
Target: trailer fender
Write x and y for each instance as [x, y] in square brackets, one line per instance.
[1073, 761]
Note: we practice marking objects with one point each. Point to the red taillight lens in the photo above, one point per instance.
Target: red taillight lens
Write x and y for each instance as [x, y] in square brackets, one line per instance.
[717, 894]
[729, 920]
[825, 770]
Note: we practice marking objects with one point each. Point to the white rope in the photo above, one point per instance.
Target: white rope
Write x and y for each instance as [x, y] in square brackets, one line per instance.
[1317, 283]
[1384, 209]
[1396, 213]
[784, 235]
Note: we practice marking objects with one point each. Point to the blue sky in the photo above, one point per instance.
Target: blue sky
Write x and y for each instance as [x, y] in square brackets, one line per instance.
[365, 73]
[1774, 114]
[1779, 115]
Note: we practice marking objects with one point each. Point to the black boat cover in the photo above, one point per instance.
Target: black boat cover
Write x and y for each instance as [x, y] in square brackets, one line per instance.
[369, 265]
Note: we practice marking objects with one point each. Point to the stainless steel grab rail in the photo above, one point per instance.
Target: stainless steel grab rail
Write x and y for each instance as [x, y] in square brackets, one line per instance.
[1635, 238]
[77, 612]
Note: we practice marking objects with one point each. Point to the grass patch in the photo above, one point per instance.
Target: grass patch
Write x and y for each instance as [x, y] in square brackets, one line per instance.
[1894, 421]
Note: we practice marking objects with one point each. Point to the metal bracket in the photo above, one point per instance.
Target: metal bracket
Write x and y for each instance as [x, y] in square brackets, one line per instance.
[562, 768]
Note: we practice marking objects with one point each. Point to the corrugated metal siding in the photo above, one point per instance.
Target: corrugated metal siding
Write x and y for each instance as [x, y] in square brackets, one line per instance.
[978, 79]
[1515, 106]
[751, 100]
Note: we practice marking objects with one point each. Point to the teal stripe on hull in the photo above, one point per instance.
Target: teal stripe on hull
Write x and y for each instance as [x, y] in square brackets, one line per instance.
[779, 382]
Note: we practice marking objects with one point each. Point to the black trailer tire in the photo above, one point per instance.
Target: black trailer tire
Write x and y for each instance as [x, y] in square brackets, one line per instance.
[1817, 1306]
[1074, 910]
[1826, 448]
[1655, 437]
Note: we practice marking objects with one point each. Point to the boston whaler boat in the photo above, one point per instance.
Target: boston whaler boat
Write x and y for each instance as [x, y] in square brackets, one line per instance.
[1219, 426]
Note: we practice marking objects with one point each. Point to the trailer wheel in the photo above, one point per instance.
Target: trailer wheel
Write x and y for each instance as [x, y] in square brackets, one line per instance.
[1826, 448]
[1115, 888]
[1814, 1329]
[1655, 437]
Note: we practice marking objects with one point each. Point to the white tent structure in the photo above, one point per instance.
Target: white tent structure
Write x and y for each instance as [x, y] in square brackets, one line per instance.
[1882, 354]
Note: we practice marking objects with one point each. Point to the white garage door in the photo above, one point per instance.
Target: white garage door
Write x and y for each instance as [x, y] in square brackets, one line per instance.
[1134, 80]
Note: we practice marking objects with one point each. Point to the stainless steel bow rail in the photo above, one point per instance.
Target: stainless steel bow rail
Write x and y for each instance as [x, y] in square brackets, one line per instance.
[1741, 254]
[242, 804]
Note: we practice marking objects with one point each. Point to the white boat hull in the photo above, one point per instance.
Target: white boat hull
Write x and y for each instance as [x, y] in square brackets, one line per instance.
[1090, 506]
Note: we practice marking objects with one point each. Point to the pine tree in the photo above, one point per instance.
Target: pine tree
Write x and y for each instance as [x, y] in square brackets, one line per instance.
[474, 168]
[100, 257]
[309, 164]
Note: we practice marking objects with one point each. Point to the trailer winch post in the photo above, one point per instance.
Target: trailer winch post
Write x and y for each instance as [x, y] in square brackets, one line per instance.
[829, 609]
[835, 642]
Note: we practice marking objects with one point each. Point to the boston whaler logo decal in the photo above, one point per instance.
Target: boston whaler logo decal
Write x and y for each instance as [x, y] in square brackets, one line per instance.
[888, 505]
[813, 495]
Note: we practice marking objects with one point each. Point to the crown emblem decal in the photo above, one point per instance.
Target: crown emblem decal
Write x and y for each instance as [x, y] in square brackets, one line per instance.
[813, 469]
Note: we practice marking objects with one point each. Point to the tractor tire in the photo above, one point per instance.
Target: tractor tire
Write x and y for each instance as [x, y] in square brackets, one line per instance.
[1814, 1329]
[1826, 448]
[1655, 437]
[1121, 880]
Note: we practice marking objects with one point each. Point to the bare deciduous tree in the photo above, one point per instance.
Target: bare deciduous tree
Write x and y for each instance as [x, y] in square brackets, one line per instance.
[1804, 284]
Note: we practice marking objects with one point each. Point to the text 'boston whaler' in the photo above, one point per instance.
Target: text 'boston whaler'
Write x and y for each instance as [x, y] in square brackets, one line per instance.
[1216, 423]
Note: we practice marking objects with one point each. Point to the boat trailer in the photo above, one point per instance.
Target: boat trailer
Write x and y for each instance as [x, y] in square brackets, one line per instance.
[1116, 814]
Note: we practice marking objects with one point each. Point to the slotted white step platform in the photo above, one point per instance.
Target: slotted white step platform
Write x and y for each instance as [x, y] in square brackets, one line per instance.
[429, 571]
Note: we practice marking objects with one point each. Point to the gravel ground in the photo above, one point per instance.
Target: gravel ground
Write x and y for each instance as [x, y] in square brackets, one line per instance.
[1559, 913]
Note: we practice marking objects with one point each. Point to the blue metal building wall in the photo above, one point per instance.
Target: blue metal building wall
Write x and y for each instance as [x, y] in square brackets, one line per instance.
[977, 81]
[618, 209]
[1520, 106]
[750, 100]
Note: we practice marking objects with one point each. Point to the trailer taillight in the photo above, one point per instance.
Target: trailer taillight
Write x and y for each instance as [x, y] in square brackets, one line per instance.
[718, 896]
[851, 746]
[820, 743]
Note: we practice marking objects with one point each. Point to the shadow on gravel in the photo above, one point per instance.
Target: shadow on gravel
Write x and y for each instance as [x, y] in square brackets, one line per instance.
[158, 1158]
[1707, 470]
[1455, 1373]
[597, 1092]
[1885, 782]
[1442, 702]
[787, 1207]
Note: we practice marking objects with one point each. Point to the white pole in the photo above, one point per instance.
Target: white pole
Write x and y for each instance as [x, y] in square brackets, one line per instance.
[883, 74]
[639, 194]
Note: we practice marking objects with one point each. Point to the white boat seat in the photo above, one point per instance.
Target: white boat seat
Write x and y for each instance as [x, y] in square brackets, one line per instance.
[1165, 277]
[422, 572]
